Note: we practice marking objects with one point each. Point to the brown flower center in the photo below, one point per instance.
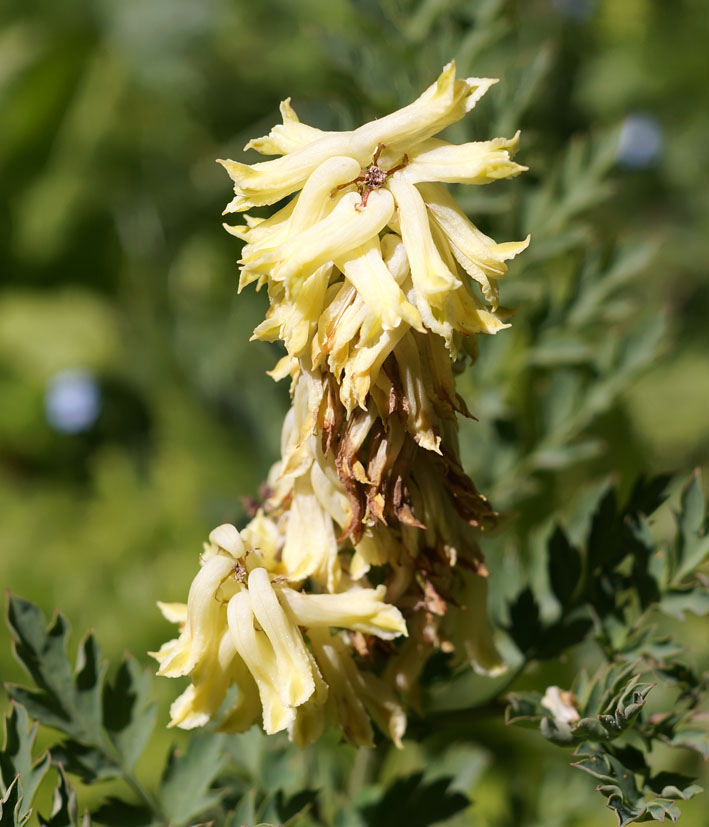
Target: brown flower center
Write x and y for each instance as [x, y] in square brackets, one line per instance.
[373, 177]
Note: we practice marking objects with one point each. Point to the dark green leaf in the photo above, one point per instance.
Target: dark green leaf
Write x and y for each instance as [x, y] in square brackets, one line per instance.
[673, 785]
[70, 705]
[16, 756]
[128, 713]
[88, 762]
[525, 626]
[63, 812]
[184, 791]
[525, 709]
[648, 495]
[630, 757]
[564, 567]
[285, 811]
[562, 635]
[245, 811]
[601, 540]
[11, 806]
[289, 809]
[117, 813]
[415, 803]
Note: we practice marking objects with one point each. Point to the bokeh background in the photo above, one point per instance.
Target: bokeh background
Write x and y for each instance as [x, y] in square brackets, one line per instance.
[135, 414]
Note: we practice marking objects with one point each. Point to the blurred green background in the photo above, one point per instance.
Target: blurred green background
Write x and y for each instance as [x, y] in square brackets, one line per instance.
[135, 414]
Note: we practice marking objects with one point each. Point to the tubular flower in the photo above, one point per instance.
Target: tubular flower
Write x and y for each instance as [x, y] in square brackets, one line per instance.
[378, 284]
[243, 625]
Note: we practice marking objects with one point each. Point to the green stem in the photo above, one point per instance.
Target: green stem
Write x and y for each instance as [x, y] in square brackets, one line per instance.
[359, 776]
[110, 751]
[147, 797]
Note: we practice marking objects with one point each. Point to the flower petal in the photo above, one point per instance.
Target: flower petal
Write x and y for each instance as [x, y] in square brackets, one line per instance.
[269, 181]
[258, 654]
[478, 254]
[205, 620]
[361, 610]
[295, 677]
[478, 162]
[339, 669]
[200, 702]
[310, 547]
[366, 270]
[443, 103]
[285, 137]
[429, 273]
[344, 229]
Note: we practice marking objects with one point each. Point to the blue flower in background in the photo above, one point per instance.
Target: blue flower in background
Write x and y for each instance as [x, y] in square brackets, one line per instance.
[641, 141]
[578, 10]
[72, 401]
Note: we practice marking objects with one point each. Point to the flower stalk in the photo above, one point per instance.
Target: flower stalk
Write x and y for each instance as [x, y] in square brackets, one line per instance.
[363, 559]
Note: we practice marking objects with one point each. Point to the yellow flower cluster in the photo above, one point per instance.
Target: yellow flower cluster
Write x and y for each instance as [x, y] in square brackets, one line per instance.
[377, 283]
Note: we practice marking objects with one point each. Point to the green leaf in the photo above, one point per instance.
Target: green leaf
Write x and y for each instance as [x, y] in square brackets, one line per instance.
[674, 785]
[245, 811]
[287, 811]
[659, 810]
[525, 709]
[618, 783]
[63, 812]
[648, 494]
[184, 790]
[564, 567]
[64, 701]
[11, 806]
[601, 541]
[75, 702]
[603, 687]
[415, 803]
[16, 756]
[692, 738]
[128, 714]
[558, 732]
[693, 540]
[117, 813]
[678, 601]
[86, 761]
[630, 803]
[525, 625]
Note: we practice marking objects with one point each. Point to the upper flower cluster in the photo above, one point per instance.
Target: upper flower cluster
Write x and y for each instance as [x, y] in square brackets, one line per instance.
[372, 217]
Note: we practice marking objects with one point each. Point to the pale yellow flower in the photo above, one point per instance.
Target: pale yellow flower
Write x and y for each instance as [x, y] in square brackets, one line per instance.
[245, 626]
[443, 103]
[375, 278]
[353, 187]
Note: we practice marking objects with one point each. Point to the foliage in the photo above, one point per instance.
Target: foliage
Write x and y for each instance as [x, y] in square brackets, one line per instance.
[610, 591]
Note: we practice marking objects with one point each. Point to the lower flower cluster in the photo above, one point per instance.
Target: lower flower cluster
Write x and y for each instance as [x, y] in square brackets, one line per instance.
[244, 625]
